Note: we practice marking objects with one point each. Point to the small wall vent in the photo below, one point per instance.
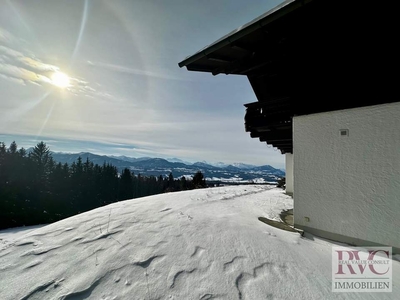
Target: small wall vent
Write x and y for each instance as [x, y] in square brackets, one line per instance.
[344, 132]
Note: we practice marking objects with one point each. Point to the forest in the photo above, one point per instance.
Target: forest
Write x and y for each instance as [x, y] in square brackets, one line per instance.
[35, 189]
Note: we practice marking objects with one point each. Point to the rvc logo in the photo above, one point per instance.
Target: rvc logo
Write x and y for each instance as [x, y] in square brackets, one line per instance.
[362, 269]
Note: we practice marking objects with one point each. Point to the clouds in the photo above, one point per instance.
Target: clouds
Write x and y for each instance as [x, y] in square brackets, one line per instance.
[13, 56]
[6, 37]
[20, 68]
[134, 71]
[21, 74]
[15, 65]
[37, 65]
[12, 79]
[125, 83]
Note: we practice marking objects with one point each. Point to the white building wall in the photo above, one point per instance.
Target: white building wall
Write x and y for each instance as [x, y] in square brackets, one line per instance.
[289, 173]
[348, 187]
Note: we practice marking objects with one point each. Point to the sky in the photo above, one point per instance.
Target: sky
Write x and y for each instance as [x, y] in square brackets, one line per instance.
[103, 76]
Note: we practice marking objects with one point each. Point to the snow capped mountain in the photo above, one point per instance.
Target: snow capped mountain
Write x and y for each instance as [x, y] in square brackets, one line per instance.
[96, 159]
[219, 164]
[123, 157]
[203, 165]
[232, 168]
[224, 165]
[243, 166]
[159, 166]
[174, 159]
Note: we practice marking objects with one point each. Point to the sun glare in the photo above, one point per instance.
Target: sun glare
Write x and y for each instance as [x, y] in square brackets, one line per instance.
[60, 79]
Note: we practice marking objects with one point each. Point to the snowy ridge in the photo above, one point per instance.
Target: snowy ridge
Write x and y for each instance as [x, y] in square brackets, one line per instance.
[200, 244]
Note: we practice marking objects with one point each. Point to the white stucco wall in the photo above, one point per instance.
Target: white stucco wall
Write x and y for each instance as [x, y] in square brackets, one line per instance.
[349, 185]
[289, 173]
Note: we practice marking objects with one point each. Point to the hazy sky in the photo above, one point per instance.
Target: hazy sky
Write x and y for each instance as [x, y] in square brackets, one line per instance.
[126, 94]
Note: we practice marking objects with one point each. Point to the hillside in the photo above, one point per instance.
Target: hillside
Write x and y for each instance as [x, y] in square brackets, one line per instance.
[200, 244]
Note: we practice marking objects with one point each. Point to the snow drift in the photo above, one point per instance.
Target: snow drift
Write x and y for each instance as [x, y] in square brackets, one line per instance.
[201, 244]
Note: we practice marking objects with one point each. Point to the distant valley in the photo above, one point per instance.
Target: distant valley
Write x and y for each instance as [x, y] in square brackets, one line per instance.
[234, 173]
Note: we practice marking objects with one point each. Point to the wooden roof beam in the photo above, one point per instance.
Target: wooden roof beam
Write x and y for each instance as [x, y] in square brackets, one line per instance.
[272, 135]
[238, 65]
[241, 47]
[219, 58]
[283, 144]
[277, 140]
[262, 104]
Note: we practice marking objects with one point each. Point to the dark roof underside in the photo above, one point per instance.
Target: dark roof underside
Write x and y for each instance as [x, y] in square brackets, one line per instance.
[307, 57]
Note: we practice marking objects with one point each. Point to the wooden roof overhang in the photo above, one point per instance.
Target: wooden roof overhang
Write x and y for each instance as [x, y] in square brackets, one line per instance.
[305, 57]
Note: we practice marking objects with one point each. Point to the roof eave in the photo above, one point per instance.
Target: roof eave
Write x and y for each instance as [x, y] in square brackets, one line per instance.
[270, 16]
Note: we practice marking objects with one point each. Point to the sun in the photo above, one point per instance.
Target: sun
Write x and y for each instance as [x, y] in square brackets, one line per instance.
[60, 80]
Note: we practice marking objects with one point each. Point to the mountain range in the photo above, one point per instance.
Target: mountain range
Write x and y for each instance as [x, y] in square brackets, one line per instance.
[233, 173]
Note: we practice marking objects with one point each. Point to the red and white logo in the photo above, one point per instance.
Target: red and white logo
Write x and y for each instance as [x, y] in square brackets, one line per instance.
[362, 269]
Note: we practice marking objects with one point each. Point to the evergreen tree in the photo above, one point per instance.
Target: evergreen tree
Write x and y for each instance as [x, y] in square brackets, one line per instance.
[170, 183]
[34, 189]
[3, 151]
[40, 159]
[125, 185]
[199, 181]
[183, 183]
[13, 148]
[40, 155]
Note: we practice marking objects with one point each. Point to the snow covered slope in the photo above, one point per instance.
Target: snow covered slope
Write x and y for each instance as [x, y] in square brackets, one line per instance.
[201, 244]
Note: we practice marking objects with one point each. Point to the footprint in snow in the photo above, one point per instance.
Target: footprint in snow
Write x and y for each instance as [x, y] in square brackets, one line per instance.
[165, 209]
[188, 216]
[198, 252]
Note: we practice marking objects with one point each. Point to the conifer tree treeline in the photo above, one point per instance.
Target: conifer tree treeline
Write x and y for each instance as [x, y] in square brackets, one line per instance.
[34, 189]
